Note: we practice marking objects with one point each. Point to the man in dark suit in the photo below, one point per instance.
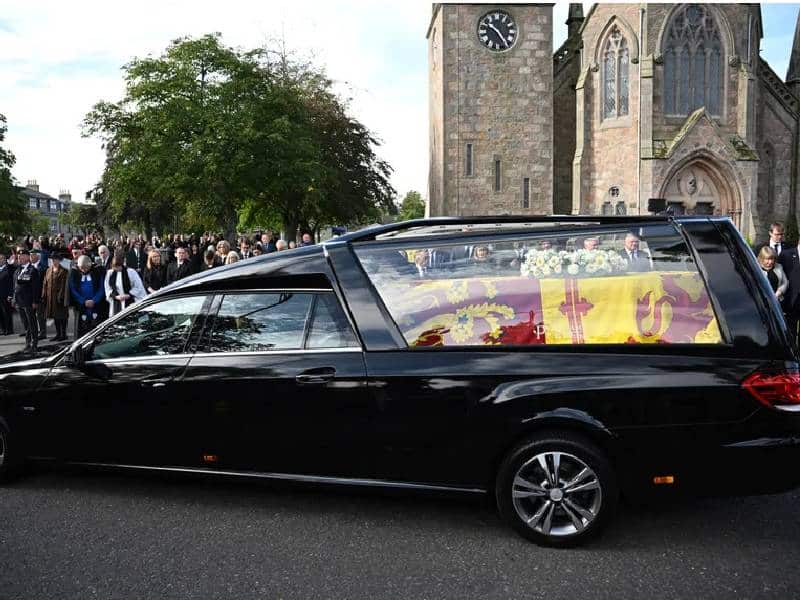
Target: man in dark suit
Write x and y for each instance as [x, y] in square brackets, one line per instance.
[28, 297]
[39, 262]
[181, 267]
[6, 293]
[789, 259]
[244, 248]
[638, 262]
[136, 258]
[776, 240]
[104, 257]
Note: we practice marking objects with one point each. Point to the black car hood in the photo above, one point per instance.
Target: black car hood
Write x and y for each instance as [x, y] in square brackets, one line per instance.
[20, 360]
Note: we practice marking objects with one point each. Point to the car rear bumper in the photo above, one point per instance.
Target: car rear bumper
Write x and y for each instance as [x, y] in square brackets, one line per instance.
[755, 465]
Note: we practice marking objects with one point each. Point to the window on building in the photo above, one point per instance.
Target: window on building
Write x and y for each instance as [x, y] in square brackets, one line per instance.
[620, 208]
[526, 192]
[497, 175]
[693, 59]
[606, 209]
[33, 203]
[468, 161]
[615, 75]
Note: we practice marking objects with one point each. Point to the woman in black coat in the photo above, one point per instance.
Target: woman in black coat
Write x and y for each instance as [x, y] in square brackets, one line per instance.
[154, 276]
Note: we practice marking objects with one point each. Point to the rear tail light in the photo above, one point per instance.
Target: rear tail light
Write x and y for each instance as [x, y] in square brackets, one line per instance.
[775, 390]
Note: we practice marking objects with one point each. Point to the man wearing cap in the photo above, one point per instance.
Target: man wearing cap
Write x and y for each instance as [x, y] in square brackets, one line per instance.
[27, 297]
[6, 292]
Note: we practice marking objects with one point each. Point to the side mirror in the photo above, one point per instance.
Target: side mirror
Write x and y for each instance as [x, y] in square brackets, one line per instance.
[78, 356]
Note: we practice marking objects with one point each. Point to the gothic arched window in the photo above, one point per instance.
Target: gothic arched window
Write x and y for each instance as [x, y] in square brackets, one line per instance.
[693, 59]
[615, 75]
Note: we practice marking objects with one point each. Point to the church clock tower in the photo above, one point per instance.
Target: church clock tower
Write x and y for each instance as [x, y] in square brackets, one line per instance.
[491, 109]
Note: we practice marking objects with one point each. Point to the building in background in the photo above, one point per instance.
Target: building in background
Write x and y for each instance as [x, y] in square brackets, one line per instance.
[666, 101]
[44, 205]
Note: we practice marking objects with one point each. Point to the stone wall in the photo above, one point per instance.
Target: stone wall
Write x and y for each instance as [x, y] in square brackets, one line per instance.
[436, 181]
[566, 68]
[610, 154]
[776, 127]
[502, 104]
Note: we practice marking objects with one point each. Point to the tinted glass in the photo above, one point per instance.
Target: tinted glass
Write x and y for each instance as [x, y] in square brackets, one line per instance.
[585, 287]
[329, 326]
[260, 322]
[154, 330]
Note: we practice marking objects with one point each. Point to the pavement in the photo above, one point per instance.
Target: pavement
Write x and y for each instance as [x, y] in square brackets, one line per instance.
[14, 343]
[85, 535]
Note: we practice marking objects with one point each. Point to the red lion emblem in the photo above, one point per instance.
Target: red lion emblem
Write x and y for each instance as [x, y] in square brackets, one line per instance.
[688, 318]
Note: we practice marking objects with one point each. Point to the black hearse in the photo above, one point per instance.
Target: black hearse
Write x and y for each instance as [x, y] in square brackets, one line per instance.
[555, 363]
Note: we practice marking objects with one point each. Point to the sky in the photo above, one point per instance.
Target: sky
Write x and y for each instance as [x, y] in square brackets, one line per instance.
[57, 59]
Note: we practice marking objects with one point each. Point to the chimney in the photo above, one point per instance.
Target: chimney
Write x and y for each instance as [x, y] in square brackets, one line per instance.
[575, 19]
[32, 185]
[64, 196]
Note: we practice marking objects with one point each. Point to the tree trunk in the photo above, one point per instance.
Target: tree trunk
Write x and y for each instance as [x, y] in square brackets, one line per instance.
[148, 226]
[290, 225]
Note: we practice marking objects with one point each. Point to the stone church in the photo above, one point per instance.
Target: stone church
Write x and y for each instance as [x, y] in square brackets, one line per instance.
[642, 101]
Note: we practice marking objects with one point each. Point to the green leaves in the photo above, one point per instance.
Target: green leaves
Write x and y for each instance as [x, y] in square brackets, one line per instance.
[413, 207]
[214, 134]
[14, 218]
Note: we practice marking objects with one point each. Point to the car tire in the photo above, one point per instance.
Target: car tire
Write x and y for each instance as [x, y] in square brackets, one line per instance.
[557, 489]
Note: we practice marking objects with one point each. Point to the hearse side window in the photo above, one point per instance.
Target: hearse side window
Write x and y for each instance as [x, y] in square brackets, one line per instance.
[261, 322]
[329, 325]
[626, 286]
[157, 329]
[258, 322]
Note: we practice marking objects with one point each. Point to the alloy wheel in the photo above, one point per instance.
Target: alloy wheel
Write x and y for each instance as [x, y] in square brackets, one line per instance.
[556, 494]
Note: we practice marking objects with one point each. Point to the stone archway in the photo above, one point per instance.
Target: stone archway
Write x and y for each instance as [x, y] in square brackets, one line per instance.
[703, 186]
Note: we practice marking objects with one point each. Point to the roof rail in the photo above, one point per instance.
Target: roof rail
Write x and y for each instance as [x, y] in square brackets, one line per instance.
[373, 231]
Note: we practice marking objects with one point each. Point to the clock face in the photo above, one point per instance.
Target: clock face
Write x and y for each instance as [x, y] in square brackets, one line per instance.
[497, 31]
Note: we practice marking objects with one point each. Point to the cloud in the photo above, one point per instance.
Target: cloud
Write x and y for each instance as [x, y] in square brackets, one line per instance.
[60, 60]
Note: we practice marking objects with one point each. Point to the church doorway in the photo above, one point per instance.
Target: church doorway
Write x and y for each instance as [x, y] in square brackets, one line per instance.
[701, 187]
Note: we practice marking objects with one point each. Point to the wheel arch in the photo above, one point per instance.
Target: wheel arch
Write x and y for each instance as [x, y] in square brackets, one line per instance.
[559, 420]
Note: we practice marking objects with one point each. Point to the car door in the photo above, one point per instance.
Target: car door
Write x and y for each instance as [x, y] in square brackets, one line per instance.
[126, 403]
[283, 381]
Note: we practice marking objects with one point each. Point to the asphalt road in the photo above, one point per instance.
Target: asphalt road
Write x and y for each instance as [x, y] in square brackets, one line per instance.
[66, 534]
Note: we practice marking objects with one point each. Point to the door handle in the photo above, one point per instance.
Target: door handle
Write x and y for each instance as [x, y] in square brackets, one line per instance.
[316, 376]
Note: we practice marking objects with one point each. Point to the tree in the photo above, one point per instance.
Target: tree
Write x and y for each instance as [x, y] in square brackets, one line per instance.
[14, 218]
[83, 217]
[231, 138]
[413, 207]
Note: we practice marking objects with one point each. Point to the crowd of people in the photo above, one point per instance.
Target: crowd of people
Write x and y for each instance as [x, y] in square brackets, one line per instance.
[44, 278]
[780, 263]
